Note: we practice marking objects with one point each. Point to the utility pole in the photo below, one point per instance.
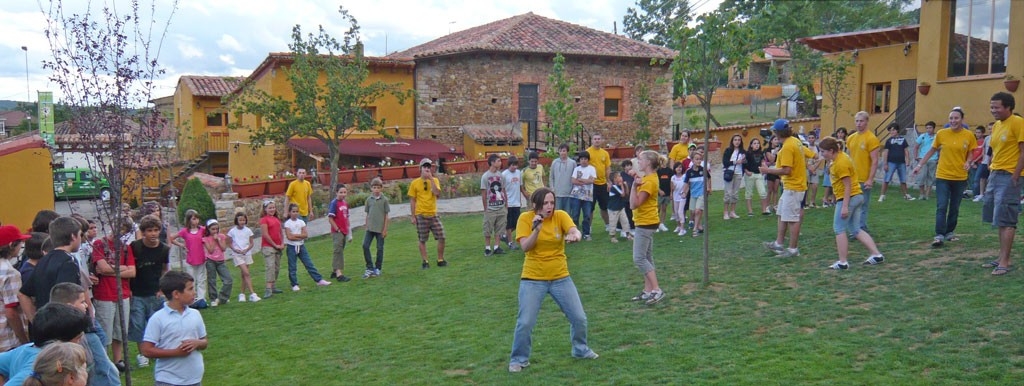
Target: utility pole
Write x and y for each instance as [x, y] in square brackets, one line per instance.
[28, 93]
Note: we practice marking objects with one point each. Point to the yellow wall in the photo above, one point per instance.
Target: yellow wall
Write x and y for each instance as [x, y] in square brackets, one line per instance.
[190, 119]
[879, 65]
[275, 82]
[27, 187]
[970, 93]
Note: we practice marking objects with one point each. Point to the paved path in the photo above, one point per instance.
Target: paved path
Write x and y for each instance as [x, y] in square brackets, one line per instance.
[357, 216]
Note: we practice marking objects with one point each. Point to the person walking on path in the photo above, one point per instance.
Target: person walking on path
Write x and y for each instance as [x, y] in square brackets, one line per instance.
[791, 165]
[423, 194]
[952, 145]
[1002, 195]
[560, 179]
[300, 192]
[863, 146]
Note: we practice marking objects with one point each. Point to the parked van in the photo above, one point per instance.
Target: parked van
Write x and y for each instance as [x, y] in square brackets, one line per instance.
[74, 183]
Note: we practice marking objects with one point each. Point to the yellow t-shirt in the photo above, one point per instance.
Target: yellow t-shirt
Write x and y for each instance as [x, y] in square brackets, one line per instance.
[792, 154]
[600, 160]
[679, 152]
[298, 192]
[533, 179]
[546, 261]
[842, 167]
[860, 146]
[953, 147]
[426, 201]
[647, 212]
[1006, 137]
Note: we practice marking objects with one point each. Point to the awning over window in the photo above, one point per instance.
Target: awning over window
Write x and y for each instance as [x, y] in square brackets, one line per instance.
[399, 149]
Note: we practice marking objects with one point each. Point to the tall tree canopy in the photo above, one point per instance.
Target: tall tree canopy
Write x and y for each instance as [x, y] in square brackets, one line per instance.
[330, 82]
[654, 21]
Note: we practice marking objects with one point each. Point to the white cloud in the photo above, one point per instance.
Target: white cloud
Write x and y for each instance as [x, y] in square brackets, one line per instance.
[228, 42]
[227, 59]
[189, 51]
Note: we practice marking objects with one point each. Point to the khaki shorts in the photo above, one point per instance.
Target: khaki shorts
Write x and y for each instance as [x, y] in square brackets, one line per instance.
[790, 205]
[494, 222]
[697, 203]
[241, 259]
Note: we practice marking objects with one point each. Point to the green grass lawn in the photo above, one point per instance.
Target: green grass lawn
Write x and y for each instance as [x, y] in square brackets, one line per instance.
[727, 115]
[925, 316]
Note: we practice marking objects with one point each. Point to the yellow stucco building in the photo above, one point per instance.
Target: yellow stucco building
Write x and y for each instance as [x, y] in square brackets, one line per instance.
[958, 55]
[27, 175]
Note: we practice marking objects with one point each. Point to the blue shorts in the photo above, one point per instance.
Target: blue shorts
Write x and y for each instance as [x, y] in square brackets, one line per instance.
[899, 168]
[851, 224]
[1002, 200]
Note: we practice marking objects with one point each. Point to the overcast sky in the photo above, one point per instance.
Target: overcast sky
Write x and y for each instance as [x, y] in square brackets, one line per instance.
[231, 37]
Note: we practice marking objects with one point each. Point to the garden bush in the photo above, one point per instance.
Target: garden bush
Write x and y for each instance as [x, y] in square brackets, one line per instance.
[195, 196]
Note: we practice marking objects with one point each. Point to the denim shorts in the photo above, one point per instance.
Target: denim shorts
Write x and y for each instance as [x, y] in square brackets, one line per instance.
[897, 168]
[1002, 200]
[851, 224]
[142, 308]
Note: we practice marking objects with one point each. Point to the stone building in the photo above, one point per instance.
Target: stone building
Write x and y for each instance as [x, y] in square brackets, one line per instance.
[497, 73]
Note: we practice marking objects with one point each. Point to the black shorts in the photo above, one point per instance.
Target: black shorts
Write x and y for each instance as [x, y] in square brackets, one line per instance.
[601, 196]
[512, 219]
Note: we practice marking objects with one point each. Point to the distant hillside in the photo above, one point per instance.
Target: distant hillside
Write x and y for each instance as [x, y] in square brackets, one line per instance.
[8, 105]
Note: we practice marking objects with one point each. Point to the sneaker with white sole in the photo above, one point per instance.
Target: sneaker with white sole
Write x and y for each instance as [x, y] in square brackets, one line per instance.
[642, 296]
[979, 198]
[214, 303]
[142, 360]
[773, 246]
[368, 274]
[589, 355]
[874, 260]
[881, 198]
[682, 232]
[241, 298]
[655, 297]
[937, 241]
[839, 265]
[662, 228]
[376, 272]
[253, 298]
[517, 367]
[788, 252]
[295, 288]
[323, 283]
[908, 197]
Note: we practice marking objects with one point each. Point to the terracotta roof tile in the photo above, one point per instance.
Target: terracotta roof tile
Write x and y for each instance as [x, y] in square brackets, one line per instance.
[494, 134]
[530, 33]
[211, 86]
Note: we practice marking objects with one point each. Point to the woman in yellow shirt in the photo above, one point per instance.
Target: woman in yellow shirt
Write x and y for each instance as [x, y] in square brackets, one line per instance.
[644, 202]
[543, 232]
[953, 144]
[849, 198]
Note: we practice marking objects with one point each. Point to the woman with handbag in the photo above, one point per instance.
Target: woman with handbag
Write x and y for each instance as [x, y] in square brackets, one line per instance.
[732, 163]
[753, 180]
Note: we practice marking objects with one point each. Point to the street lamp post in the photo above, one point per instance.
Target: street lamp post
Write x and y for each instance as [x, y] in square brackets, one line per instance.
[28, 93]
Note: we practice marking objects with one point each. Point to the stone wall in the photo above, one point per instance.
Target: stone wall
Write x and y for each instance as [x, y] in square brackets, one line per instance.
[484, 88]
[450, 136]
[229, 204]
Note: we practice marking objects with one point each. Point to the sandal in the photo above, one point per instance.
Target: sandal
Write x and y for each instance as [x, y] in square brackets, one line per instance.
[1000, 271]
[991, 264]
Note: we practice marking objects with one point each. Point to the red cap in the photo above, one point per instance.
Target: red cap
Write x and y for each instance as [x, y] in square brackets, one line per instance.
[10, 234]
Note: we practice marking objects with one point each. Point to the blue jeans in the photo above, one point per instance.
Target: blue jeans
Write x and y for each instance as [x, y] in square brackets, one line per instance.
[143, 307]
[103, 371]
[866, 188]
[531, 294]
[563, 203]
[947, 206]
[587, 207]
[300, 252]
[380, 249]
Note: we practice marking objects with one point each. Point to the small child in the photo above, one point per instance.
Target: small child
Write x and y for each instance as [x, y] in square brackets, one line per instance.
[31, 254]
[152, 259]
[340, 231]
[176, 334]
[679, 197]
[214, 244]
[271, 245]
[104, 259]
[582, 194]
[377, 209]
[617, 200]
[101, 369]
[13, 332]
[60, 363]
[513, 190]
[192, 243]
[295, 236]
[241, 239]
[696, 183]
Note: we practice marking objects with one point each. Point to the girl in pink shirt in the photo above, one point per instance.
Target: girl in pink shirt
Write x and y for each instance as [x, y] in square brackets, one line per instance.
[190, 238]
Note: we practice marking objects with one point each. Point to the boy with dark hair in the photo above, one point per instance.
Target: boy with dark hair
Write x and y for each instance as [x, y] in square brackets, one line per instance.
[494, 199]
[176, 334]
[12, 330]
[151, 261]
[58, 266]
[111, 317]
[101, 369]
[377, 208]
[53, 322]
[1002, 196]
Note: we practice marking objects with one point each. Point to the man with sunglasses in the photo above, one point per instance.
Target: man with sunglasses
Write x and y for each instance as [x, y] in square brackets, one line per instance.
[423, 194]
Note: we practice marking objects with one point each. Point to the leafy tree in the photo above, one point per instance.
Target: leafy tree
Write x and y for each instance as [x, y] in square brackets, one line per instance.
[195, 197]
[834, 84]
[642, 114]
[654, 21]
[330, 82]
[716, 43]
[564, 121]
[783, 22]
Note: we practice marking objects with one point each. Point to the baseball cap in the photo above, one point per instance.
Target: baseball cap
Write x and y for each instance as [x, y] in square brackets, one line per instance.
[780, 124]
[426, 162]
[10, 234]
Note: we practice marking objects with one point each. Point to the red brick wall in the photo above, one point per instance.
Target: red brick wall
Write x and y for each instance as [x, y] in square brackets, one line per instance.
[483, 89]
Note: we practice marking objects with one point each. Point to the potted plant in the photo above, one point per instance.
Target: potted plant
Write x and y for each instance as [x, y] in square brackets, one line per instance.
[278, 184]
[924, 88]
[1011, 83]
[247, 187]
[412, 169]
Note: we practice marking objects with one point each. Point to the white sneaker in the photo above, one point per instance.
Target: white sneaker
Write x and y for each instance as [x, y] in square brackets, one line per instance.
[682, 232]
[214, 303]
[909, 197]
[143, 361]
[978, 198]
[662, 228]
[323, 283]
[295, 288]
[241, 298]
[881, 198]
[253, 298]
